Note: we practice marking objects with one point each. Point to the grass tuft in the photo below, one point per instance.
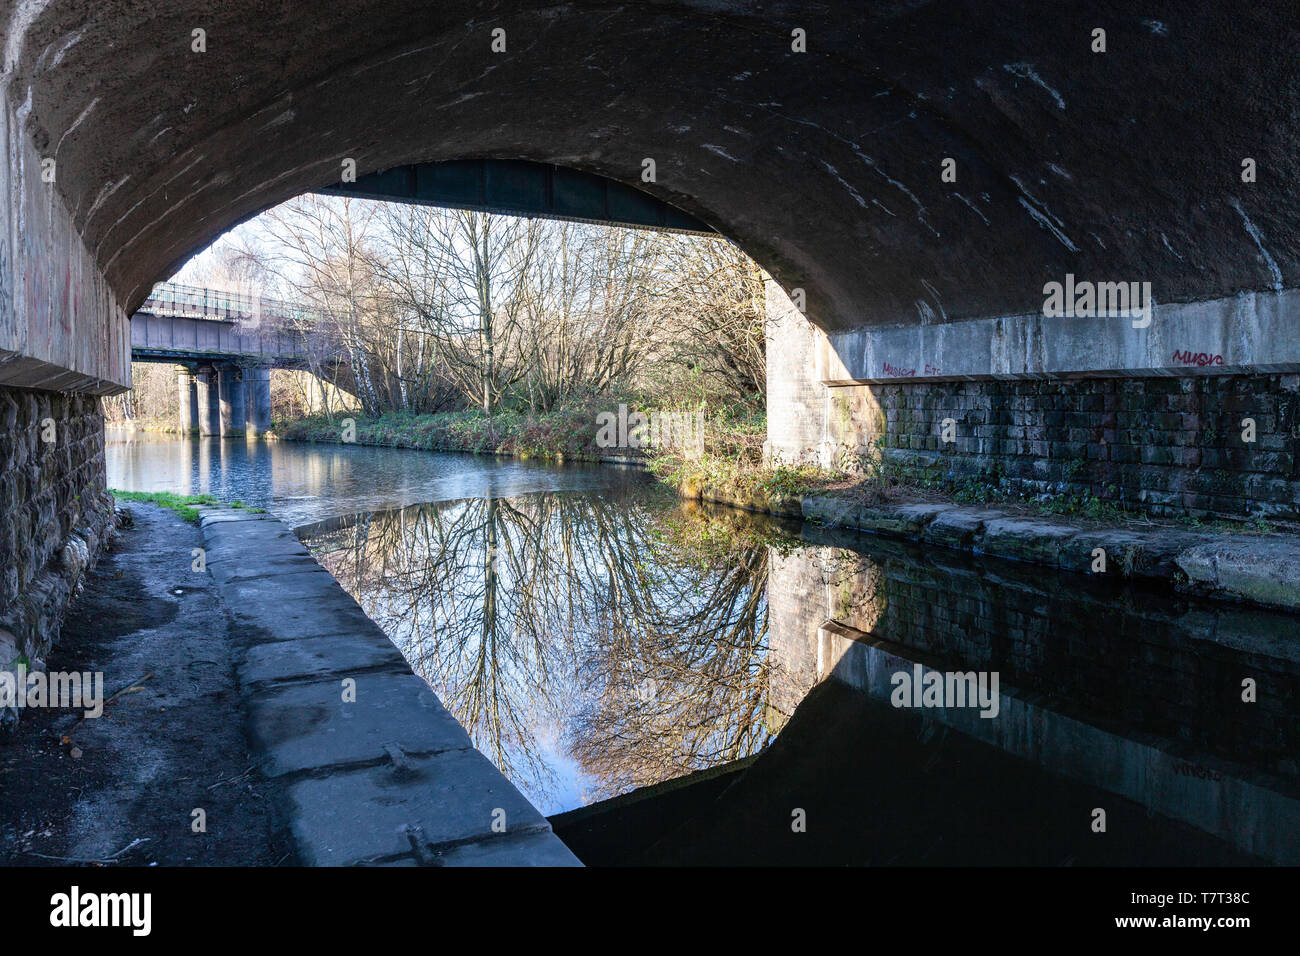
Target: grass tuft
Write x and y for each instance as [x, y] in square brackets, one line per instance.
[187, 506]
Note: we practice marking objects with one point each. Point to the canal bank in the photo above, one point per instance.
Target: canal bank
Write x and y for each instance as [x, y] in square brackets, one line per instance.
[570, 435]
[374, 769]
[1223, 563]
[1256, 568]
[164, 775]
[254, 716]
[590, 625]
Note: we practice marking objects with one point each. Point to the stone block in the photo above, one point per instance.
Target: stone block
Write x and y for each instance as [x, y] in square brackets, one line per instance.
[415, 805]
[310, 727]
[1261, 570]
[958, 527]
[1022, 539]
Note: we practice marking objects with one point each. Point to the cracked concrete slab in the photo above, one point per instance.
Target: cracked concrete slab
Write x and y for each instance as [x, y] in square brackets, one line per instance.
[267, 619]
[417, 805]
[316, 657]
[514, 849]
[229, 571]
[311, 727]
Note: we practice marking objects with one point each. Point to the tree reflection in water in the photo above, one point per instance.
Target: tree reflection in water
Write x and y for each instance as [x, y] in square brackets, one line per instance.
[591, 643]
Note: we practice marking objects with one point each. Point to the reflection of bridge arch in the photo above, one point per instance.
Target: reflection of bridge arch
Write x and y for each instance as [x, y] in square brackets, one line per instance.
[1079, 694]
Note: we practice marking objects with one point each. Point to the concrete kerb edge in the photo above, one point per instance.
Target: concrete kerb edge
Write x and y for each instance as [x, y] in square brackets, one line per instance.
[1175, 558]
[286, 703]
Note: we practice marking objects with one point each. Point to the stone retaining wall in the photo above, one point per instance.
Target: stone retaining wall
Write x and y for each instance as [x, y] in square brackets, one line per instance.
[1167, 441]
[1167, 446]
[54, 512]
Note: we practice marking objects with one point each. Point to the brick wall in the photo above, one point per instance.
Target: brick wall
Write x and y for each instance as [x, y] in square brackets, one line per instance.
[1162, 445]
[54, 510]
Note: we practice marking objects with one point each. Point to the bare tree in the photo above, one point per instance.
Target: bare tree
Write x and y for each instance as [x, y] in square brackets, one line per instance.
[422, 309]
[234, 264]
[459, 278]
[585, 311]
[324, 254]
[711, 314]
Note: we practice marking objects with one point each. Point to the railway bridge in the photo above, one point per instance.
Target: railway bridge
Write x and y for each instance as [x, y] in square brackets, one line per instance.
[224, 345]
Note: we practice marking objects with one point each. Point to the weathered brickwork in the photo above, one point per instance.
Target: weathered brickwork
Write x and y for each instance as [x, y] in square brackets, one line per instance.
[54, 510]
[1163, 445]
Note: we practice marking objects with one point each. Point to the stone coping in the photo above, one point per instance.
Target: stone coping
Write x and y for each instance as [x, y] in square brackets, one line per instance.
[1260, 569]
[1257, 569]
[377, 772]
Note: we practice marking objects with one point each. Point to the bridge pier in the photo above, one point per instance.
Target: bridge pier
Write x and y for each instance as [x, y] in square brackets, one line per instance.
[231, 391]
[209, 412]
[257, 382]
[187, 400]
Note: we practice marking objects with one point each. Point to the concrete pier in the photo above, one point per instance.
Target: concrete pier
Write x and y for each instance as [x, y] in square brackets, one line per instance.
[233, 409]
[257, 383]
[208, 403]
[187, 400]
[225, 400]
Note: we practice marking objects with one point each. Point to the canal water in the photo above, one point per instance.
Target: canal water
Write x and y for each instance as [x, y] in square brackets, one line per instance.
[674, 683]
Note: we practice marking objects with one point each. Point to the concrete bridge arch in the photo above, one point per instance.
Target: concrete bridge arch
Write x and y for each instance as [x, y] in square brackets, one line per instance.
[814, 135]
[825, 164]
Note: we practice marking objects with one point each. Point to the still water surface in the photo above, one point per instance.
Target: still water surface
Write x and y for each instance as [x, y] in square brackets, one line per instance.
[600, 638]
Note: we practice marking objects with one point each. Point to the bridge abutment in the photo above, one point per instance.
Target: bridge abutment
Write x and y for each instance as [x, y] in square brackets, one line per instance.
[1196, 413]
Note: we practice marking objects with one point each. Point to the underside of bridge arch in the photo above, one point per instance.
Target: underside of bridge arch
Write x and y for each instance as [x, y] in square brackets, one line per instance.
[825, 165]
[1088, 140]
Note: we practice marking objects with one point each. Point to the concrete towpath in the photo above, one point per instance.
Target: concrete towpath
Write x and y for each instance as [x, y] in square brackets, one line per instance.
[122, 788]
[374, 769]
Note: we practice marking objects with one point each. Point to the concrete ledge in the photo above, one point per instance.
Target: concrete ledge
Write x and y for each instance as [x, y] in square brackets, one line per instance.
[905, 521]
[377, 770]
[420, 805]
[1021, 539]
[1248, 333]
[1254, 569]
[313, 658]
[1263, 572]
[958, 527]
[312, 727]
